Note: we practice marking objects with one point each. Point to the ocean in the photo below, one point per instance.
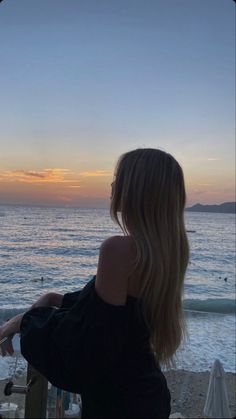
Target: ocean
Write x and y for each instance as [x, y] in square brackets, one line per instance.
[56, 249]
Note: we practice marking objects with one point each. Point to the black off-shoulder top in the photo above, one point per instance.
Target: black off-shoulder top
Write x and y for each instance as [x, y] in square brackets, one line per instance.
[99, 350]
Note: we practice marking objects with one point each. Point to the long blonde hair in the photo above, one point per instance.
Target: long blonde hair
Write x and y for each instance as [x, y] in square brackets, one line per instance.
[149, 192]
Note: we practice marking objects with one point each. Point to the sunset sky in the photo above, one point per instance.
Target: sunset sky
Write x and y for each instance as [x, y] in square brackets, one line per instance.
[82, 81]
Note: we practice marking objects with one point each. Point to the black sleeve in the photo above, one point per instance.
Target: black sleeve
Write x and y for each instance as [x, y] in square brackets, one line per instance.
[70, 299]
[75, 348]
[37, 328]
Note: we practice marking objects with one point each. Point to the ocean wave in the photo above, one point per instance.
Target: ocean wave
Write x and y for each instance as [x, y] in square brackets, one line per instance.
[211, 305]
[63, 230]
[8, 313]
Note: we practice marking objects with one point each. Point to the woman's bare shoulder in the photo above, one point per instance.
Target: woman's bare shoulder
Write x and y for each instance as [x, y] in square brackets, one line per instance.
[116, 258]
[120, 244]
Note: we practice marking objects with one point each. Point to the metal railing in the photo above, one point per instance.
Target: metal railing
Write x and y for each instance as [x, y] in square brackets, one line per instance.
[43, 403]
[36, 397]
[35, 392]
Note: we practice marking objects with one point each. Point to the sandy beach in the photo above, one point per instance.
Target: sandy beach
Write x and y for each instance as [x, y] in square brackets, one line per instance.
[188, 392]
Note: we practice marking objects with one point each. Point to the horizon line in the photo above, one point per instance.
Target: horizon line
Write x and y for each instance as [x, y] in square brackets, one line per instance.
[48, 205]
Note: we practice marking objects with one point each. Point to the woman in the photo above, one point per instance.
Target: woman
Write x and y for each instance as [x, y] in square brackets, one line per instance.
[107, 341]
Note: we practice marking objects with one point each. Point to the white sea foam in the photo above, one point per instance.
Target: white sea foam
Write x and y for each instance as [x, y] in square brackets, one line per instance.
[210, 336]
[10, 366]
[211, 305]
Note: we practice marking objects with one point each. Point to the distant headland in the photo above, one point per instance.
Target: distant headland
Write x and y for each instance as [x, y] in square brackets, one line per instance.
[226, 208]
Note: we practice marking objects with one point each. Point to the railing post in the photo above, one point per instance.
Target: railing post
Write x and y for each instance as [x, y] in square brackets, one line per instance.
[36, 398]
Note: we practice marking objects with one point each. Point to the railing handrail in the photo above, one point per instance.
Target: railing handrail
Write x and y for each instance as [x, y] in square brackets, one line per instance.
[36, 397]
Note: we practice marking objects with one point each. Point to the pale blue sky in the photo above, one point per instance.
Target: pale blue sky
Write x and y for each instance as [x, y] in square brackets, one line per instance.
[84, 80]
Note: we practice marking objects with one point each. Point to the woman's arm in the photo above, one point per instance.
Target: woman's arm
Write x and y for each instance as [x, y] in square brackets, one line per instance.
[12, 326]
[51, 299]
[7, 330]
[116, 260]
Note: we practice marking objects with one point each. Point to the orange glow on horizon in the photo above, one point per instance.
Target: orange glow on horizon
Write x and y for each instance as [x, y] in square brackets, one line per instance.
[64, 186]
[97, 173]
[54, 175]
[55, 186]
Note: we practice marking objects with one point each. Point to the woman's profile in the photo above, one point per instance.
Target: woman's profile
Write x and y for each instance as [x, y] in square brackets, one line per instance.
[109, 340]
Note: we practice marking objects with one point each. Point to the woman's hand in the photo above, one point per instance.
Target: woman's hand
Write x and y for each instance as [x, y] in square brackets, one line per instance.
[7, 330]
[49, 299]
[12, 326]
[6, 347]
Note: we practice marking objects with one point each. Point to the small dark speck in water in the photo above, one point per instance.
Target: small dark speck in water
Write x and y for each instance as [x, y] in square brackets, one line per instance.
[36, 280]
